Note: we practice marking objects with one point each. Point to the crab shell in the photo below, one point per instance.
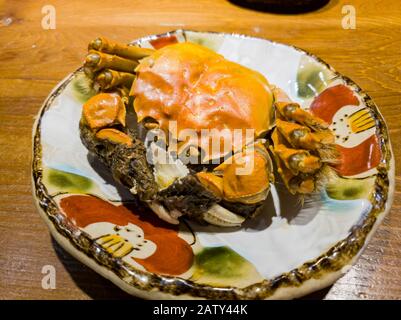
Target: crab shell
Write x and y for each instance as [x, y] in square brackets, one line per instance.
[199, 89]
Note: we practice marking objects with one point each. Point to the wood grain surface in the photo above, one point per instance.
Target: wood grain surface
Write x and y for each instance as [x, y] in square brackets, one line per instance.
[34, 60]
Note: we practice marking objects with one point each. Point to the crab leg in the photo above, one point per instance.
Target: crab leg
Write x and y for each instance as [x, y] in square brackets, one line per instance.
[122, 50]
[302, 145]
[297, 160]
[108, 78]
[289, 168]
[295, 184]
[97, 60]
[302, 185]
[291, 111]
[112, 64]
[300, 136]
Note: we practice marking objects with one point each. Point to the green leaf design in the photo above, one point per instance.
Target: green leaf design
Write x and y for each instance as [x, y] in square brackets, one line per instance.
[82, 87]
[312, 78]
[223, 266]
[350, 189]
[210, 42]
[68, 182]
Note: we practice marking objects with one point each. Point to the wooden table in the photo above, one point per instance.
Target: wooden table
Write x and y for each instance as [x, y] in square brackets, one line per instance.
[33, 60]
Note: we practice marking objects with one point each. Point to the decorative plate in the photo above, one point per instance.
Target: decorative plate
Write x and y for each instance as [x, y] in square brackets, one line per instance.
[291, 249]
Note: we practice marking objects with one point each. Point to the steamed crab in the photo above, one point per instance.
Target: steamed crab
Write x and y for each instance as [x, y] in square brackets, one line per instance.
[143, 91]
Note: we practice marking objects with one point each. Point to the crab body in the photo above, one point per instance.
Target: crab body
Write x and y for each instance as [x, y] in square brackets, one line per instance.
[198, 90]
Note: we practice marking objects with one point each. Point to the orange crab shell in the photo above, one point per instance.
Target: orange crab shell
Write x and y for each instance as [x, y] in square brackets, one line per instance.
[200, 89]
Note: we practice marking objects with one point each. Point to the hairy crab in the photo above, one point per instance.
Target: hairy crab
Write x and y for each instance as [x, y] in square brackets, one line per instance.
[146, 92]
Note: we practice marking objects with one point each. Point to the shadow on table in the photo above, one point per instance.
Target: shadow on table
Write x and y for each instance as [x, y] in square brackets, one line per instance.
[285, 7]
[317, 295]
[87, 280]
[99, 288]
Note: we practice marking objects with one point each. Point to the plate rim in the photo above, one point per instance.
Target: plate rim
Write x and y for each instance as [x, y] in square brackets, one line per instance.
[292, 284]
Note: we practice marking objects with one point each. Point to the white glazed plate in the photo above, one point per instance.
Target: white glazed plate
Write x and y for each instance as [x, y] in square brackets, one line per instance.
[288, 251]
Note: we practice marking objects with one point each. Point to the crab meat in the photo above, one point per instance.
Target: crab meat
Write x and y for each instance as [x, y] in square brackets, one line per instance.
[166, 169]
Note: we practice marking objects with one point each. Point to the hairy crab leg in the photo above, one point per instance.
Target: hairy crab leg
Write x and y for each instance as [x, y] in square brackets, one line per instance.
[303, 184]
[300, 136]
[302, 146]
[122, 50]
[293, 112]
[108, 78]
[297, 160]
[112, 64]
[96, 60]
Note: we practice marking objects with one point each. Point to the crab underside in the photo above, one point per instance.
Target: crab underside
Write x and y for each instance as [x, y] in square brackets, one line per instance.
[212, 188]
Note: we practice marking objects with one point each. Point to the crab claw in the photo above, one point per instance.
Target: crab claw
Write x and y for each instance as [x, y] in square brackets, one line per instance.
[245, 177]
[220, 216]
[212, 182]
[114, 136]
[104, 110]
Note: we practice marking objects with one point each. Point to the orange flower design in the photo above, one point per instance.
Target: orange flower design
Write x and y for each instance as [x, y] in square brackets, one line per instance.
[356, 126]
[163, 41]
[173, 255]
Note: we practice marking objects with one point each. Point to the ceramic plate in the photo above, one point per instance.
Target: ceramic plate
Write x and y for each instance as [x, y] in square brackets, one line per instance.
[288, 251]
